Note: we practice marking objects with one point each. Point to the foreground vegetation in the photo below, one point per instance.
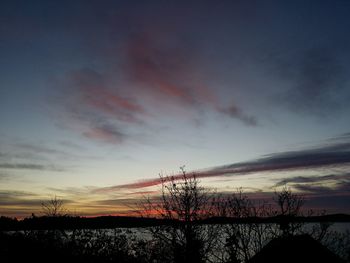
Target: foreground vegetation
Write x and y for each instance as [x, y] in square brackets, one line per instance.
[193, 225]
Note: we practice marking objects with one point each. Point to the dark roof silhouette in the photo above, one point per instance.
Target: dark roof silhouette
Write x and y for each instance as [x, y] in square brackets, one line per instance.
[300, 249]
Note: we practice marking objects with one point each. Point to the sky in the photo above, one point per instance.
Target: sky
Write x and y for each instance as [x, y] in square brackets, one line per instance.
[97, 98]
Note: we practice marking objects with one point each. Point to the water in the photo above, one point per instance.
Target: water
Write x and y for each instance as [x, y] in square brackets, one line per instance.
[144, 232]
[108, 239]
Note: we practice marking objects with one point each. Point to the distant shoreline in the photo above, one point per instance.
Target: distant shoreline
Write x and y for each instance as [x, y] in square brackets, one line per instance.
[108, 222]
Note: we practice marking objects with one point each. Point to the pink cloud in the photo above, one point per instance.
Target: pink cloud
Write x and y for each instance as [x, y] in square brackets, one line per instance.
[96, 109]
[170, 71]
[94, 92]
[106, 134]
[160, 77]
[158, 67]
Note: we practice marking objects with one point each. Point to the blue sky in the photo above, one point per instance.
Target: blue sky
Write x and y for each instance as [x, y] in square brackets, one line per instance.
[96, 96]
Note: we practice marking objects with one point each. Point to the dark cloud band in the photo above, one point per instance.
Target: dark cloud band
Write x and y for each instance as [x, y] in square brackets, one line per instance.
[329, 155]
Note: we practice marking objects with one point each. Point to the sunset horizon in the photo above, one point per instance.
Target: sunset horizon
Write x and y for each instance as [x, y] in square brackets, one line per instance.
[100, 99]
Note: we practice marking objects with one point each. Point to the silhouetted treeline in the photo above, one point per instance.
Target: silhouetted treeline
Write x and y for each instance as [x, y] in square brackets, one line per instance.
[57, 246]
[116, 245]
[76, 222]
[111, 222]
[331, 218]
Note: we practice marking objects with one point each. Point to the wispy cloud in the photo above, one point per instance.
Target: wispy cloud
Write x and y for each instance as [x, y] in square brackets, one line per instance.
[97, 108]
[29, 166]
[235, 112]
[117, 202]
[72, 191]
[71, 145]
[4, 176]
[313, 179]
[8, 197]
[335, 154]
[31, 156]
[135, 185]
[155, 76]
[39, 155]
[105, 132]
[22, 203]
[167, 69]
[332, 197]
[339, 186]
[38, 148]
[95, 91]
[162, 68]
[330, 192]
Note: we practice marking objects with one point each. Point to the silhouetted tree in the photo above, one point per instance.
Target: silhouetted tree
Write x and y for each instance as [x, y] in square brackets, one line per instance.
[243, 239]
[54, 207]
[183, 203]
[289, 207]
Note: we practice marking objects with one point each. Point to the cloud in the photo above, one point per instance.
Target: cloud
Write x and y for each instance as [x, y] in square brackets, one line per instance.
[166, 68]
[105, 132]
[94, 125]
[135, 185]
[96, 107]
[30, 166]
[4, 176]
[38, 155]
[21, 203]
[143, 193]
[39, 149]
[117, 202]
[332, 198]
[336, 154]
[235, 112]
[94, 91]
[10, 198]
[73, 191]
[313, 179]
[152, 75]
[161, 68]
[340, 186]
[31, 156]
[318, 198]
